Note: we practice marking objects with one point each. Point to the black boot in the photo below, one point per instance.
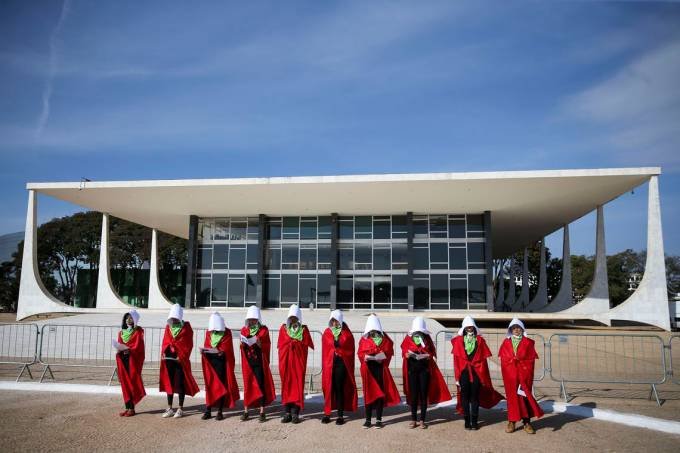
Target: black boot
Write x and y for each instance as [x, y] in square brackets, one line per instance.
[473, 423]
[206, 415]
[467, 422]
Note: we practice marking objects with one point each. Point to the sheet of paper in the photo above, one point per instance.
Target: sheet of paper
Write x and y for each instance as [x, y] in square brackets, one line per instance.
[118, 346]
[209, 350]
[380, 356]
[520, 391]
[171, 358]
[249, 341]
[422, 356]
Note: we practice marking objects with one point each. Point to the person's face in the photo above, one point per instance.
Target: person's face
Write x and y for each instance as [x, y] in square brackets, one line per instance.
[293, 321]
[517, 331]
[470, 329]
[129, 321]
[251, 322]
[335, 323]
[173, 321]
[375, 334]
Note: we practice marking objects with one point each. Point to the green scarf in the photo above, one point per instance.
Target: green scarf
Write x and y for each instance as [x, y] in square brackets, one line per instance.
[216, 337]
[336, 331]
[295, 334]
[125, 334]
[377, 339]
[417, 339]
[515, 343]
[470, 343]
[175, 328]
[254, 329]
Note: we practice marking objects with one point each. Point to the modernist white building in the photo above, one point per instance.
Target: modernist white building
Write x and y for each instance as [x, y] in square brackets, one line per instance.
[366, 242]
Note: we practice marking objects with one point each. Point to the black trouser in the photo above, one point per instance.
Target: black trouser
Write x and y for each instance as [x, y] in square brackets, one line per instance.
[126, 364]
[376, 370]
[338, 384]
[176, 376]
[419, 384]
[258, 371]
[294, 408]
[219, 364]
[469, 393]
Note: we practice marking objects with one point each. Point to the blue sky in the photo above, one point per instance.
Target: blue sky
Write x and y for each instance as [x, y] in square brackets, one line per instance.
[151, 90]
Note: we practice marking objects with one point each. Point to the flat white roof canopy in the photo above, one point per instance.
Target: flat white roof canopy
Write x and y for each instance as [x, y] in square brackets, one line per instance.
[524, 205]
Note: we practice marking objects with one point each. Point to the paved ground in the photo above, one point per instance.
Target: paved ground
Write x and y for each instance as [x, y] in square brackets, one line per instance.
[58, 422]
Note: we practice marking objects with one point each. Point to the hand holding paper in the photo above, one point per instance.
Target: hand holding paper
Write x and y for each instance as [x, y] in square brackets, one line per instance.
[118, 346]
[209, 350]
[248, 341]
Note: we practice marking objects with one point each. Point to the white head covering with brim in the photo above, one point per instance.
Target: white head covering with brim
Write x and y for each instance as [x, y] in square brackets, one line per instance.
[177, 312]
[418, 325]
[216, 323]
[467, 322]
[294, 310]
[337, 315]
[254, 313]
[516, 322]
[134, 314]
[372, 323]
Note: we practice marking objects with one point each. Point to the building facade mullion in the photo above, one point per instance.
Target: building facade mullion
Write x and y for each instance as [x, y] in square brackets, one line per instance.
[261, 247]
[411, 258]
[488, 258]
[334, 260]
[192, 252]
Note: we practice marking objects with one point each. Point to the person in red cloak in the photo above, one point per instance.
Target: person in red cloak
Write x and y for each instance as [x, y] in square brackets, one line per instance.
[473, 381]
[294, 341]
[518, 354]
[337, 372]
[423, 382]
[217, 360]
[258, 384]
[175, 375]
[130, 362]
[375, 353]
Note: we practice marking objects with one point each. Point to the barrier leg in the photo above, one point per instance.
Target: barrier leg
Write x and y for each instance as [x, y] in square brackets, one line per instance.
[47, 368]
[563, 391]
[113, 373]
[656, 395]
[26, 367]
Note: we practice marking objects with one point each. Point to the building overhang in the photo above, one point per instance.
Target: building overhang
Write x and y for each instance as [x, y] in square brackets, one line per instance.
[525, 205]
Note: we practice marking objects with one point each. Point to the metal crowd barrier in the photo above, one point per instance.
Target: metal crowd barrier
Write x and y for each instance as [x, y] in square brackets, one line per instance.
[587, 358]
[674, 359]
[19, 346]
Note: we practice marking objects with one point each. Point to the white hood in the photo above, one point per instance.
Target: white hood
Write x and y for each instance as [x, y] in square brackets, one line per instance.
[418, 325]
[176, 311]
[337, 315]
[134, 314]
[216, 322]
[467, 322]
[294, 310]
[254, 313]
[372, 323]
[516, 322]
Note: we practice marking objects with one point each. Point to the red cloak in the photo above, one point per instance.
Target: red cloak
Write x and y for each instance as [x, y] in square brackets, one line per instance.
[214, 385]
[488, 396]
[181, 345]
[251, 389]
[372, 390]
[438, 391]
[518, 369]
[346, 352]
[293, 365]
[131, 383]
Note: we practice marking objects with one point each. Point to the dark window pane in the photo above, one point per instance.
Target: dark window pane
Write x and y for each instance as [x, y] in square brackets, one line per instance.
[459, 295]
[308, 259]
[477, 289]
[307, 292]
[291, 227]
[420, 227]
[221, 230]
[362, 253]
[273, 258]
[308, 230]
[438, 226]
[346, 259]
[253, 228]
[345, 289]
[251, 288]
[381, 259]
[382, 291]
[476, 252]
[324, 253]
[221, 253]
[323, 293]
[400, 288]
[362, 290]
[363, 227]
[457, 228]
[204, 258]
[399, 253]
[203, 292]
[346, 229]
[439, 252]
[274, 231]
[236, 289]
[238, 231]
[421, 258]
[271, 292]
[237, 258]
[457, 258]
[219, 287]
[252, 253]
[289, 288]
[381, 229]
[399, 226]
[475, 222]
[290, 253]
[439, 287]
[421, 293]
[324, 227]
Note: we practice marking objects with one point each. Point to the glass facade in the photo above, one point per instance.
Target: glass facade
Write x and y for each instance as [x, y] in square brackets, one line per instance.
[447, 259]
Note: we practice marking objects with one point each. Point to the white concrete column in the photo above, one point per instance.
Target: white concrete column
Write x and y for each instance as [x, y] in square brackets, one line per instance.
[541, 298]
[649, 302]
[157, 299]
[106, 296]
[34, 298]
[563, 299]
